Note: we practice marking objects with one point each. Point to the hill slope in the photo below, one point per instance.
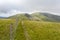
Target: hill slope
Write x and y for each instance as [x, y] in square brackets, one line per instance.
[37, 16]
[31, 30]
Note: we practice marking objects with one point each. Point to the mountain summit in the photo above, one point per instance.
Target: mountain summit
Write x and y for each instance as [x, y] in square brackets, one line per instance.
[37, 16]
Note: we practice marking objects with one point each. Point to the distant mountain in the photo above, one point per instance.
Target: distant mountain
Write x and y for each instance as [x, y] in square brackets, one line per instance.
[51, 17]
[19, 16]
[47, 16]
[37, 16]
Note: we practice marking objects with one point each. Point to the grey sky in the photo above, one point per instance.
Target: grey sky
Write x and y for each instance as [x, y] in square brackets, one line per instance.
[11, 7]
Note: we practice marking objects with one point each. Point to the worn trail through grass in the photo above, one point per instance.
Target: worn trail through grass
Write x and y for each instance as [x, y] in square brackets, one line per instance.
[25, 32]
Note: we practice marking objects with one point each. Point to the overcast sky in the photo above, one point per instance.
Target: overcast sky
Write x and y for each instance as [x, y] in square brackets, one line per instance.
[12, 7]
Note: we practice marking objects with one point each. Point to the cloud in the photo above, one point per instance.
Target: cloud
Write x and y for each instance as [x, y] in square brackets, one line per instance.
[6, 6]
[10, 13]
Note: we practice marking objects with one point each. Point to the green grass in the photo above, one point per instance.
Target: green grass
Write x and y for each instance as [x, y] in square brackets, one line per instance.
[36, 30]
[43, 30]
[19, 34]
[5, 28]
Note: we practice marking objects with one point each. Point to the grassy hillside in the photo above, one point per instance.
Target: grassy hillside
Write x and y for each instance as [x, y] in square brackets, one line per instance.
[43, 30]
[19, 16]
[5, 28]
[47, 16]
[31, 30]
[37, 16]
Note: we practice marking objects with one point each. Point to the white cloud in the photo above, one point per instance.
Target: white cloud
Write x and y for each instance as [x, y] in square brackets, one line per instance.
[6, 6]
[10, 13]
[11, 2]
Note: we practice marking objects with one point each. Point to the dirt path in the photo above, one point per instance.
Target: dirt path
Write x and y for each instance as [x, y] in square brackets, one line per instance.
[25, 32]
[13, 30]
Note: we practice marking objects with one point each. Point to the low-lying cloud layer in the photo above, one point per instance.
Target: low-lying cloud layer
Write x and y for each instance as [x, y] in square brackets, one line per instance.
[6, 6]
